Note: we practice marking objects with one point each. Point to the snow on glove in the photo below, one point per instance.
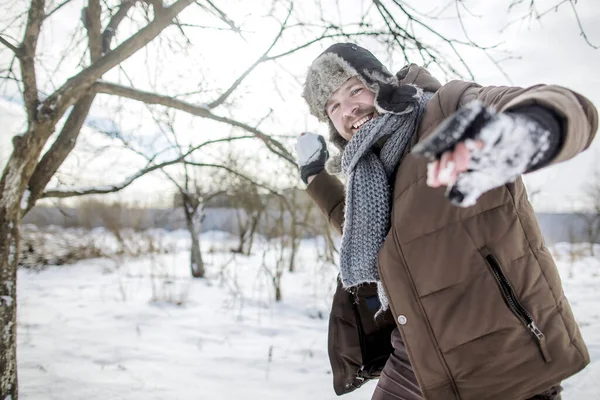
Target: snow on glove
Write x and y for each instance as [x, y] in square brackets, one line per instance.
[311, 153]
[512, 143]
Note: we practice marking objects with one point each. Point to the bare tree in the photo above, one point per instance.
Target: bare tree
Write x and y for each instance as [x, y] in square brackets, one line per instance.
[249, 206]
[300, 208]
[196, 183]
[275, 253]
[27, 172]
[24, 169]
[193, 197]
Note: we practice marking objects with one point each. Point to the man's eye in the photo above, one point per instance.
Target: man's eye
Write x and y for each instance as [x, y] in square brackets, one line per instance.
[333, 108]
[356, 91]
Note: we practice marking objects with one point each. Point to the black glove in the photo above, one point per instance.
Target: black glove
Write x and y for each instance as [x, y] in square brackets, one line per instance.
[514, 143]
[311, 153]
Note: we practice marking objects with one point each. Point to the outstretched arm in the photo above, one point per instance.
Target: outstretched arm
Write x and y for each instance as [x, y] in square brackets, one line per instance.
[500, 133]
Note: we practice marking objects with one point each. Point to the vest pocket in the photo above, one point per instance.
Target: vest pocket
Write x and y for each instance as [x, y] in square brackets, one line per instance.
[513, 303]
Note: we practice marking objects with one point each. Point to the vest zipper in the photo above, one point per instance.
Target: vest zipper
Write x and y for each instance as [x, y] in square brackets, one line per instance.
[513, 303]
[359, 379]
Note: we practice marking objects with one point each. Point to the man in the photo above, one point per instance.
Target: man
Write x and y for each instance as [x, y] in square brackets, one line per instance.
[437, 231]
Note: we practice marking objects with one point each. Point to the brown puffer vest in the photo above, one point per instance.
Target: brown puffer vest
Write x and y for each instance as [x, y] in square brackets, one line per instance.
[474, 291]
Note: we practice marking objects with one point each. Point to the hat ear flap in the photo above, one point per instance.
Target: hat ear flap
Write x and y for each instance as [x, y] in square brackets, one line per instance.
[397, 99]
[334, 164]
[336, 138]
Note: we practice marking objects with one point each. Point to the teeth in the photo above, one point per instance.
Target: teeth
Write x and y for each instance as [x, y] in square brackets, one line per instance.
[361, 121]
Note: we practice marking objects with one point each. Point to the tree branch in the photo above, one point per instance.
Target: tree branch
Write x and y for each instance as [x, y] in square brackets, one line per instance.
[157, 5]
[56, 105]
[35, 18]
[103, 189]
[93, 27]
[201, 111]
[67, 138]
[111, 28]
[65, 142]
[236, 173]
[225, 18]
[60, 149]
[426, 49]
[327, 36]
[14, 49]
[58, 7]
[61, 194]
[261, 59]
[533, 13]
[185, 25]
[581, 30]
[464, 29]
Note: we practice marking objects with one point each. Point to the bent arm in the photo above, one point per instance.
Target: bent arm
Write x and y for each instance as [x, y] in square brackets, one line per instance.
[328, 194]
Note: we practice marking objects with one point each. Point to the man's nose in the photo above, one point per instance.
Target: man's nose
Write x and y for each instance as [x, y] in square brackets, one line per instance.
[349, 108]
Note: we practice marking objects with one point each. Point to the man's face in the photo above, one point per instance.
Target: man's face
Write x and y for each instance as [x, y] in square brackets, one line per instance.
[350, 107]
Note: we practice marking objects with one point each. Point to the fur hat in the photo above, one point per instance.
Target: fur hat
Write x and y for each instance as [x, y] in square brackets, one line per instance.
[343, 61]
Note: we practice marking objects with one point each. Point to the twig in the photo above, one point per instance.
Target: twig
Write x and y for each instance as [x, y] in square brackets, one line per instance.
[225, 18]
[581, 26]
[115, 21]
[261, 59]
[14, 49]
[35, 18]
[58, 7]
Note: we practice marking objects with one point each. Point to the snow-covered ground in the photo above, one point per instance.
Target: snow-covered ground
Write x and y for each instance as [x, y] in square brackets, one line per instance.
[144, 329]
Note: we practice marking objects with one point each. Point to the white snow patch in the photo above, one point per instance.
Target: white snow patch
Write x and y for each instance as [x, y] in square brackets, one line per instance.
[12, 249]
[89, 331]
[508, 149]
[7, 299]
[7, 331]
[25, 199]
[9, 287]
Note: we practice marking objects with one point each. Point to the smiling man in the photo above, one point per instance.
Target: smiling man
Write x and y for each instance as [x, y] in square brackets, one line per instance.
[440, 245]
[350, 107]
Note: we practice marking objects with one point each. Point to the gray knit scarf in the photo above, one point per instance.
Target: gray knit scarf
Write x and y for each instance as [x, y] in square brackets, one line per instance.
[368, 192]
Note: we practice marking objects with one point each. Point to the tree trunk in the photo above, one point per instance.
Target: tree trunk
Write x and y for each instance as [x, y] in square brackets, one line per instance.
[242, 223]
[193, 219]
[293, 251]
[16, 174]
[278, 293]
[241, 240]
[12, 188]
[196, 263]
[9, 253]
[293, 241]
[253, 227]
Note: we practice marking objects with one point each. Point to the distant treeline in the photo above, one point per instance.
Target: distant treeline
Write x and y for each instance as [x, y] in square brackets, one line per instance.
[555, 227]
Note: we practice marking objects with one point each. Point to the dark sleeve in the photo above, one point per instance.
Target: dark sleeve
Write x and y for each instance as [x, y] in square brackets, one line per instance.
[549, 122]
[578, 117]
[328, 193]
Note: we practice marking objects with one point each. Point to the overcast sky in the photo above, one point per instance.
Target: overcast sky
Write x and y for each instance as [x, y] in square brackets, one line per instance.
[551, 52]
